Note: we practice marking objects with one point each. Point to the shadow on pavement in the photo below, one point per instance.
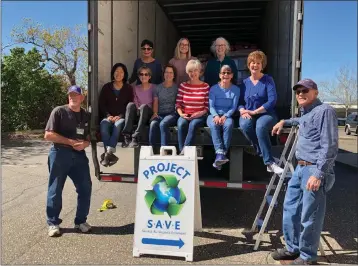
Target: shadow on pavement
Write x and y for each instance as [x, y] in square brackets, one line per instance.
[127, 229]
[14, 152]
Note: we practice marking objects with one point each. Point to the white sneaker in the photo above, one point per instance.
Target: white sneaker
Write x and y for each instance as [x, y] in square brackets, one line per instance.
[274, 168]
[54, 230]
[84, 228]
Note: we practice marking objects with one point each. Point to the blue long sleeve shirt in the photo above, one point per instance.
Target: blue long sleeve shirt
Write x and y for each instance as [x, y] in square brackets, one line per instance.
[318, 137]
[223, 101]
[262, 94]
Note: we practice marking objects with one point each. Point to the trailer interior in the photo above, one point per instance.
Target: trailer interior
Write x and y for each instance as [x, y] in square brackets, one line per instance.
[118, 27]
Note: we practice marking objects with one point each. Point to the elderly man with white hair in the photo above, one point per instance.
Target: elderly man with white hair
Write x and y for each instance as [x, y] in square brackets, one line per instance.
[220, 48]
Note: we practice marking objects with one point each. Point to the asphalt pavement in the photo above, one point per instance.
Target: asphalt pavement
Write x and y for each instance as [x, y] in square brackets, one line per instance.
[225, 213]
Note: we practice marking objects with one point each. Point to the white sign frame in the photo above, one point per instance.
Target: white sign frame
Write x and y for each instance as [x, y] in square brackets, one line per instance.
[170, 232]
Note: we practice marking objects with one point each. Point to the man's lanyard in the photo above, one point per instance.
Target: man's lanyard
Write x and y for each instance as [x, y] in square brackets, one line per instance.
[79, 129]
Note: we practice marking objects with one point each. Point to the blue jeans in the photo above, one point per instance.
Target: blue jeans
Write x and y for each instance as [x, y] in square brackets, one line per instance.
[306, 209]
[258, 130]
[163, 122]
[110, 139]
[63, 162]
[186, 130]
[221, 141]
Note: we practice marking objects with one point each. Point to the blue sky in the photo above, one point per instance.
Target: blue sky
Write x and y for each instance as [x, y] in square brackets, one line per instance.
[329, 41]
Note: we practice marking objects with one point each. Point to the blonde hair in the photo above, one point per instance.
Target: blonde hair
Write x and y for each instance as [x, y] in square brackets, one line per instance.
[177, 49]
[257, 56]
[227, 45]
[193, 64]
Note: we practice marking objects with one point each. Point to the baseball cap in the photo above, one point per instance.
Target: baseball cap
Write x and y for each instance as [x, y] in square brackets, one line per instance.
[307, 83]
[75, 89]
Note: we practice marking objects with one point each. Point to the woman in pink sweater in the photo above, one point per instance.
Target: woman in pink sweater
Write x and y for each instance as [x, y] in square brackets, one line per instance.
[140, 110]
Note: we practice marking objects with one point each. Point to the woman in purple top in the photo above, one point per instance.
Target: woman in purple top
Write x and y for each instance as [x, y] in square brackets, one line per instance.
[140, 110]
[257, 102]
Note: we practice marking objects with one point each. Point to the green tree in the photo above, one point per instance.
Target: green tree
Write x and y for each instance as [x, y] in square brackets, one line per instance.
[63, 50]
[28, 91]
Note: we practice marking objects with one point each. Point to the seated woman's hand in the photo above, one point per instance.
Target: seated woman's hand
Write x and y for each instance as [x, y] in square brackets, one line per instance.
[154, 116]
[246, 116]
[115, 118]
[110, 118]
[222, 120]
[217, 120]
[195, 115]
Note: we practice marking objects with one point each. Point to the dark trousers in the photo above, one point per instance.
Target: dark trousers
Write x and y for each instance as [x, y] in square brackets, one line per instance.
[63, 162]
[133, 115]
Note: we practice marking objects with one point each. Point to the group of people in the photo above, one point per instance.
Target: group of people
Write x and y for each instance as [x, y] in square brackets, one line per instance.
[187, 101]
[181, 96]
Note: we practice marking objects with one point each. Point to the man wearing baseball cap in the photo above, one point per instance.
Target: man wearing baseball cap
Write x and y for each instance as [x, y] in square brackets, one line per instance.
[67, 128]
[305, 199]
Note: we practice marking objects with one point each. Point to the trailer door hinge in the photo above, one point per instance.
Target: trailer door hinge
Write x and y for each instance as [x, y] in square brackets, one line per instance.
[89, 26]
[298, 64]
[89, 69]
[299, 16]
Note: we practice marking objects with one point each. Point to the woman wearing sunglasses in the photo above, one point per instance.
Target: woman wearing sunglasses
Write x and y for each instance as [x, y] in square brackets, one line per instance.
[148, 61]
[223, 101]
[182, 55]
[257, 102]
[191, 104]
[140, 110]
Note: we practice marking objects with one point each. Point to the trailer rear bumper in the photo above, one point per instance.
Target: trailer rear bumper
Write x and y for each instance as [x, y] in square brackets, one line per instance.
[203, 183]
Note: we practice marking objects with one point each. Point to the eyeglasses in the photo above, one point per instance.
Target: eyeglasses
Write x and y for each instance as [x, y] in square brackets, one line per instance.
[219, 45]
[227, 73]
[184, 44]
[146, 48]
[144, 74]
[304, 91]
[168, 72]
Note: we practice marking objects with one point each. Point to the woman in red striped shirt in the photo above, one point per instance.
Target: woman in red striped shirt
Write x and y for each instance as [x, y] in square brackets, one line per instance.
[192, 104]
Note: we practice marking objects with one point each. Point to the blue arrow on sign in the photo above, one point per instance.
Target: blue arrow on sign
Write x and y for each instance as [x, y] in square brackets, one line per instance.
[163, 242]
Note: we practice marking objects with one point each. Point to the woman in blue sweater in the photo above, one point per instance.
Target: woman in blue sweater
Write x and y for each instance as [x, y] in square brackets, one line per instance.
[223, 101]
[257, 102]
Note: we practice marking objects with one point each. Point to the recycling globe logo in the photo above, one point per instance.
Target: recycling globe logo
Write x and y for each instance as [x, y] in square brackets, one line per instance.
[165, 196]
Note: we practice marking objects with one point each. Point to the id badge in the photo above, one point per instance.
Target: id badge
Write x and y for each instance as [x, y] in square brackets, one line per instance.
[80, 131]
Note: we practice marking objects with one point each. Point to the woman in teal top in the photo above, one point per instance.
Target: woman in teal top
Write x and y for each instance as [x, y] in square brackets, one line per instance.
[220, 48]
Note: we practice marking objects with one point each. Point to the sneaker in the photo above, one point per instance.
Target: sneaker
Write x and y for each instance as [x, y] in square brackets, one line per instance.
[274, 168]
[54, 230]
[220, 159]
[106, 159]
[284, 254]
[217, 167]
[112, 159]
[134, 143]
[300, 261]
[84, 227]
[126, 141]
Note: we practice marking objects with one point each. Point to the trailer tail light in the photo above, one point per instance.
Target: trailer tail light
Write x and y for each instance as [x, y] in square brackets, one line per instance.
[282, 138]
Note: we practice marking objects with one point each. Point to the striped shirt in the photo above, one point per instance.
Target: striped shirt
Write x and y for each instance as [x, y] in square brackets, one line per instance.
[193, 98]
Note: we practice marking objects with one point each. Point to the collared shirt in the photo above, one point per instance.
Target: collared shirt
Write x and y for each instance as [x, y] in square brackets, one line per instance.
[318, 137]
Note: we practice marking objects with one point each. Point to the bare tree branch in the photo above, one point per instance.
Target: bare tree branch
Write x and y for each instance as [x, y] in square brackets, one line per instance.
[343, 88]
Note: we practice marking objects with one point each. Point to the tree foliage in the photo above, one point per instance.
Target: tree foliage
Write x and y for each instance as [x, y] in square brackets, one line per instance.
[343, 88]
[63, 50]
[28, 91]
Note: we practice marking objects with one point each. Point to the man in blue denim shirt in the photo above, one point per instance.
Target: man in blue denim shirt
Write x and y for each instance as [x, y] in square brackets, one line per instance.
[305, 200]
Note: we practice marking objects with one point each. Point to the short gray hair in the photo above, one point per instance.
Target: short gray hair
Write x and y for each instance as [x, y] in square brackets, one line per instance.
[193, 64]
[213, 49]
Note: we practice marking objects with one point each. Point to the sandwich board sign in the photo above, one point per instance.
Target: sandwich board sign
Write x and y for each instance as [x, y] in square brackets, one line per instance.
[167, 204]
